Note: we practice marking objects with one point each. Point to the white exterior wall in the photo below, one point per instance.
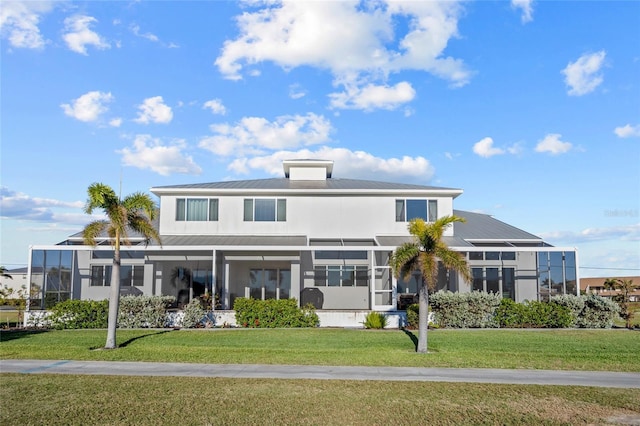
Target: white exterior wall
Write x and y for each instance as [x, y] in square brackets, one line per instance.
[317, 216]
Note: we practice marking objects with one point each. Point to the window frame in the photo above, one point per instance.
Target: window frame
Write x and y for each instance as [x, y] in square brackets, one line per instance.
[183, 212]
[402, 209]
[251, 213]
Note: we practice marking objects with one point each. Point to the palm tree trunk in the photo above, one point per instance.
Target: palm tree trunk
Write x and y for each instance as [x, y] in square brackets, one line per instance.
[423, 315]
[114, 298]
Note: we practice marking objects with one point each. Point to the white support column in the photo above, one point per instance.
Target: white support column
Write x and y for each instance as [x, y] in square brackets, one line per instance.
[227, 300]
[214, 279]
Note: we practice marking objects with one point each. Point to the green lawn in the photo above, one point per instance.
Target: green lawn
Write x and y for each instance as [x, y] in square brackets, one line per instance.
[87, 400]
[609, 350]
[70, 400]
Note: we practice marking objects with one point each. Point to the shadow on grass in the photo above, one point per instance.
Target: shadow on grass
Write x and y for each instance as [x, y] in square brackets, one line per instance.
[133, 339]
[19, 333]
[412, 336]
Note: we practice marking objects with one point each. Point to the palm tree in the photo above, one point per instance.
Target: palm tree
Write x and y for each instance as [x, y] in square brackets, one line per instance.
[4, 273]
[423, 255]
[132, 213]
[624, 288]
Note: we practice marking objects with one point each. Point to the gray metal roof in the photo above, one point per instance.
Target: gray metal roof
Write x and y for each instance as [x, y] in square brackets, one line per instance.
[286, 184]
[395, 241]
[233, 240]
[480, 226]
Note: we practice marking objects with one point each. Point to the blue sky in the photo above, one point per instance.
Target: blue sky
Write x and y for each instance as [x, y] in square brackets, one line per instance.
[531, 107]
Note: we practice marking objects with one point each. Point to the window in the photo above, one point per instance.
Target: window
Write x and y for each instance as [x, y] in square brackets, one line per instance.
[416, 209]
[340, 276]
[129, 275]
[197, 209]
[265, 210]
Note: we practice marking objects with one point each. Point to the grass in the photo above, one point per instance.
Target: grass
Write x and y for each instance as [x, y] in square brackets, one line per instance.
[79, 400]
[604, 350]
[9, 318]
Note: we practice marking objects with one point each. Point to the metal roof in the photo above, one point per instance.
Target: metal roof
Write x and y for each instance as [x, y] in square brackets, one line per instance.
[286, 185]
[233, 240]
[480, 226]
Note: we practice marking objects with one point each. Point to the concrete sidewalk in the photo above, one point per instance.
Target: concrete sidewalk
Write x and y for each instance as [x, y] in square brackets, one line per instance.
[467, 375]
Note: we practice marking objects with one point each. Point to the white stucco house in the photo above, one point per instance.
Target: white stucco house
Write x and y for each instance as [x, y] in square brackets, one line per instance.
[309, 236]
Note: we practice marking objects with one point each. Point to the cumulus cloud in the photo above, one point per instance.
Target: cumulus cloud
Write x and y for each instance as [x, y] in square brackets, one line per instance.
[150, 153]
[89, 106]
[348, 164]
[484, 148]
[17, 205]
[583, 75]
[154, 110]
[19, 23]
[526, 7]
[552, 144]
[372, 97]
[628, 131]
[78, 34]
[361, 46]
[115, 122]
[256, 134]
[216, 106]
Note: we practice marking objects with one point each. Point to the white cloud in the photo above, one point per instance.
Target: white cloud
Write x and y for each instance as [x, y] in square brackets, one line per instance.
[296, 92]
[115, 122]
[17, 205]
[154, 110]
[257, 134]
[628, 131]
[583, 75]
[372, 97]
[484, 148]
[623, 232]
[89, 106]
[526, 6]
[78, 35]
[356, 42]
[551, 143]
[135, 29]
[150, 153]
[19, 23]
[348, 164]
[216, 106]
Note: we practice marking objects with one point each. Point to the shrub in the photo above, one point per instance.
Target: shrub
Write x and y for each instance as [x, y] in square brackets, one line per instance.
[413, 314]
[274, 313]
[533, 314]
[510, 314]
[79, 314]
[193, 314]
[144, 311]
[547, 315]
[375, 320]
[598, 312]
[464, 310]
[573, 302]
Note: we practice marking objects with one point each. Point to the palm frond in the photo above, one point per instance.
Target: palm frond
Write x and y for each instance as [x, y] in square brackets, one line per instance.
[100, 196]
[139, 201]
[93, 230]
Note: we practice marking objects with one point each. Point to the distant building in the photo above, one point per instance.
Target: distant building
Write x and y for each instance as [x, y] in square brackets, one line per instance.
[596, 286]
[308, 236]
[17, 281]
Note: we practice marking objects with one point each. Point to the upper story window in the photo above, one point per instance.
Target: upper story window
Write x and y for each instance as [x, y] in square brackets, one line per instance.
[416, 209]
[265, 210]
[197, 209]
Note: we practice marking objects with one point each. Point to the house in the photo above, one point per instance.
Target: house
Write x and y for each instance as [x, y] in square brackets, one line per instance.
[309, 236]
[596, 286]
[15, 282]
